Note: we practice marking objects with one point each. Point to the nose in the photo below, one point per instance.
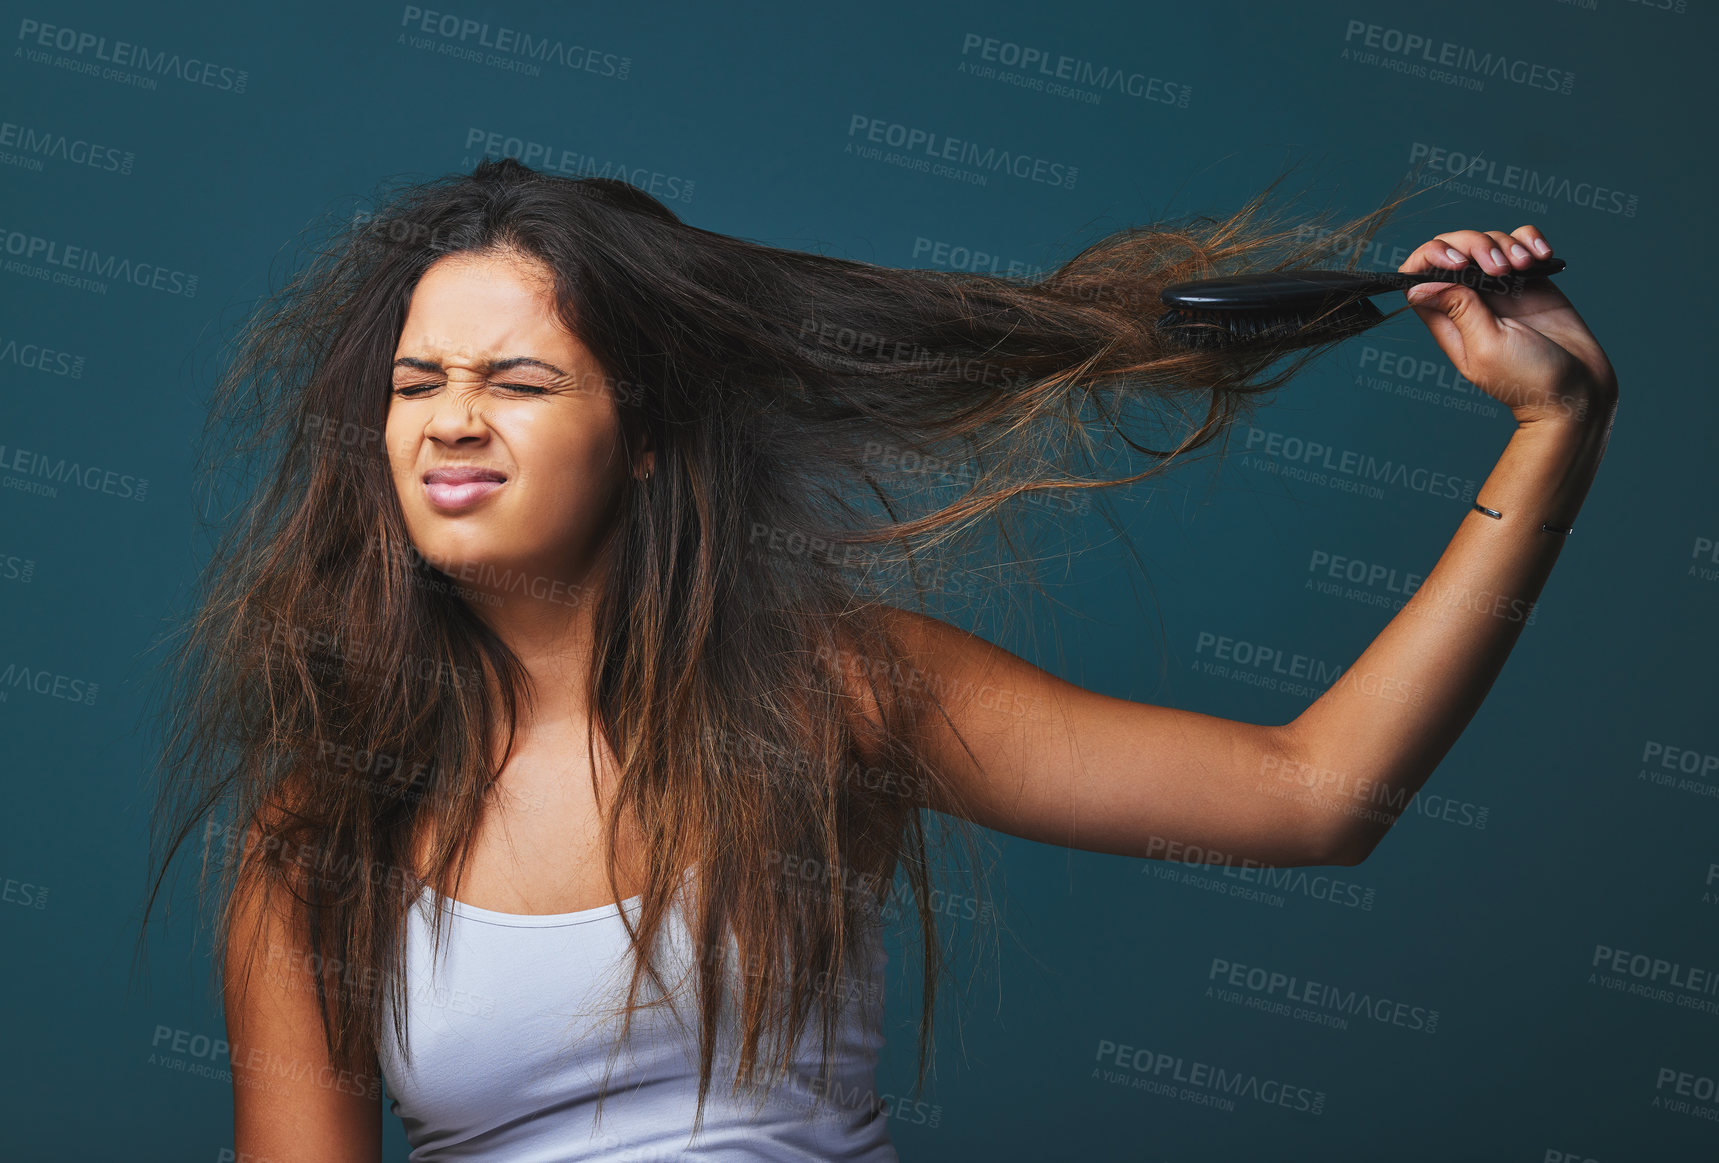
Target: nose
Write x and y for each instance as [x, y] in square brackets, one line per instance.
[457, 419]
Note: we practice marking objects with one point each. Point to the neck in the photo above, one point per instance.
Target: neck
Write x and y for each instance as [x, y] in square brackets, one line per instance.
[553, 636]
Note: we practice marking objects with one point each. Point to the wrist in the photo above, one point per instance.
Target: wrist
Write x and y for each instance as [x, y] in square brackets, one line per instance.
[1586, 407]
[1543, 476]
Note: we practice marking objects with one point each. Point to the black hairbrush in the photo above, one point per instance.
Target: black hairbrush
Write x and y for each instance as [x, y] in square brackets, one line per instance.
[1302, 308]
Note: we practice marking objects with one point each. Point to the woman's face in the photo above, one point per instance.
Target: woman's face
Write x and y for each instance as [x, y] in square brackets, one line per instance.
[504, 442]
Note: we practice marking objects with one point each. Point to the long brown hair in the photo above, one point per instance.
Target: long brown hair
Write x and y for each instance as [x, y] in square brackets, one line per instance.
[334, 689]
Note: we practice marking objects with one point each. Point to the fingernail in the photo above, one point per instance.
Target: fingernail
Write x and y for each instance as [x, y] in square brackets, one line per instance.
[1455, 254]
[1542, 247]
[1498, 258]
[1519, 250]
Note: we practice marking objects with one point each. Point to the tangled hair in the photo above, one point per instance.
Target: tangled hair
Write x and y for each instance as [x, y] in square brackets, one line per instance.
[741, 620]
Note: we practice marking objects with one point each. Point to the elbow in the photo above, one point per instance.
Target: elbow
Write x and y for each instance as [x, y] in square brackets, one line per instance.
[1327, 854]
[1332, 829]
[1351, 856]
[1344, 842]
[1351, 848]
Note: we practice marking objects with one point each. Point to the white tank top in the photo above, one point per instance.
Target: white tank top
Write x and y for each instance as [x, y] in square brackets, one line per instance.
[509, 1043]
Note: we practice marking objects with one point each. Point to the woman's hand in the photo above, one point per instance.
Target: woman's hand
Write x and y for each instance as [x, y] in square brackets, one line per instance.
[1533, 352]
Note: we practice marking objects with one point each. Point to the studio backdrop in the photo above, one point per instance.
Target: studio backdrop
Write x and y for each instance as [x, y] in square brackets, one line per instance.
[1527, 968]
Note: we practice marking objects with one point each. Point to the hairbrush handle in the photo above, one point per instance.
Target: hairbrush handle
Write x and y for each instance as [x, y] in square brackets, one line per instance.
[1270, 290]
[1470, 275]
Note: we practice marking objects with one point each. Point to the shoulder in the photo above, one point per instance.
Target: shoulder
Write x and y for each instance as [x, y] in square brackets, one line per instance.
[915, 652]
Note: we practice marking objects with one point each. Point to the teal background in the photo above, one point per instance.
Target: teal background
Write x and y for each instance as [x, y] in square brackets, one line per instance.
[1495, 927]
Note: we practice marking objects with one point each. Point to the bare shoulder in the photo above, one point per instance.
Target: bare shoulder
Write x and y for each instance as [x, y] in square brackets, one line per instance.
[290, 1102]
[950, 681]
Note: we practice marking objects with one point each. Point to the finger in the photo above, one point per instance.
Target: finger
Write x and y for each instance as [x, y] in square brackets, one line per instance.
[1434, 255]
[1534, 240]
[1515, 254]
[1466, 311]
[1481, 247]
[1444, 333]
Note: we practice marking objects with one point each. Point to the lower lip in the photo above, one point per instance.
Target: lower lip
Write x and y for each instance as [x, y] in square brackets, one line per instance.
[454, 497]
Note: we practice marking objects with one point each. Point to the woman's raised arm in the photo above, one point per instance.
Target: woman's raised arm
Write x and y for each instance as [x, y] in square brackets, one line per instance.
[1064, 765]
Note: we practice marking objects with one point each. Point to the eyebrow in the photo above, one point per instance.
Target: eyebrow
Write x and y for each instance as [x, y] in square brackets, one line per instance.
[487, 367]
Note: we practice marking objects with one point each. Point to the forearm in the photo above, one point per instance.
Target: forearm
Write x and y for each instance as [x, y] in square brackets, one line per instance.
[1357, 755]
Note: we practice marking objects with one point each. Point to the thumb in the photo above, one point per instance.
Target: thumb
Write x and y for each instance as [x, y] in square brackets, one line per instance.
[1479, 329]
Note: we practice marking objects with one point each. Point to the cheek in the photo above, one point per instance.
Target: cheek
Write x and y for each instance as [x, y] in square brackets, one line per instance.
[578, 485]
[573, 460]
[399, 454]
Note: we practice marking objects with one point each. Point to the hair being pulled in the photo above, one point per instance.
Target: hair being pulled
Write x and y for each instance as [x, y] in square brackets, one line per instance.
[824, 430]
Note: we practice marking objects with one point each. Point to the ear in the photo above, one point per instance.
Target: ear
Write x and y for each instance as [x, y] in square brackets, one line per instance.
[644, 457]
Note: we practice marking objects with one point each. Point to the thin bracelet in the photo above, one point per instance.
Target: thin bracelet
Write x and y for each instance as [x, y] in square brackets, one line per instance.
[1497, 516]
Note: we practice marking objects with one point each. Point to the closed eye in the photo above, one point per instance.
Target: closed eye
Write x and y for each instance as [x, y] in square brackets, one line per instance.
[411, 393]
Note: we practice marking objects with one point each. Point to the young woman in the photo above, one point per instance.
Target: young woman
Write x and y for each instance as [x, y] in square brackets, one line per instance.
[546, 711]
